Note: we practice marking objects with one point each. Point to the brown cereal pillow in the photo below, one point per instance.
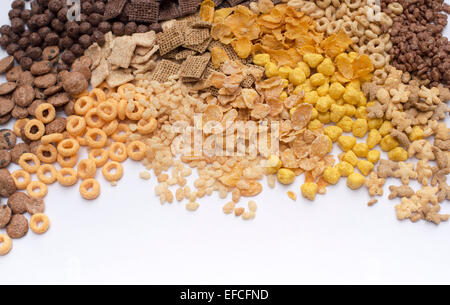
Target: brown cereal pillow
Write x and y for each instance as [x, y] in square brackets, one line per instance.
[7, 184]
[18, 202]
[5, 158]
[17, 227]
[5, 215]
[35, 205]
[19, 150]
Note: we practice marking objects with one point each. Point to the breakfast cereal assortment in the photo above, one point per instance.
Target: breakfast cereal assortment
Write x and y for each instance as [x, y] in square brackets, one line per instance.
[185, 85]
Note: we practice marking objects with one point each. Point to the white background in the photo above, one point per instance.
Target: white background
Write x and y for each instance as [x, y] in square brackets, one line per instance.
[126, 236]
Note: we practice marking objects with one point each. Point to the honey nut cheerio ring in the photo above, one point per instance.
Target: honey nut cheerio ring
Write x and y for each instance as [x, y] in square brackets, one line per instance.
[52, 138]
[29, 162]
[31, 189]
[121, 133]
[21, 179]
[136, 150]
[18, 126]
[67, 176]
[83, 104]
[93, 120]
[98, 95]
[110, 127]
[134, 111]
[47, 153]
[5, 244]
[95, 138]
[146, 127]
[86, 169]
[107, 111]
[118, 152]
[89, 189]
[68, 147]
[75, 125]
[121, 109]
[126, 90]
[39, 223]
[42, 173]
[70, 161]
[45, 113]
[109, 168]
[34, 129]
[99, 156]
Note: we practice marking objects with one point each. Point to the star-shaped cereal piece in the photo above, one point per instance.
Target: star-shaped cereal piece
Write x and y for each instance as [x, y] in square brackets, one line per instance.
[431, 96]
[408, 208]
[424, 172]
[428, 195]
[421, 149]
[375, 185]
[405, 172]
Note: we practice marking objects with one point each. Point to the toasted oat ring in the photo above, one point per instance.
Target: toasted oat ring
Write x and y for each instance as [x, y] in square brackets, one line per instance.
[45, 113]
[375, 46]
[19, 175]
[110, 127]
[86, 169]
[39, 223]
[29, 157]
[90, 189]
[18, 126]
[121, 109]
[83, 104]
[93, 120]
[70, 161]
[111, 166]
[95, 138]
[121, 133]
[31, 189]
[126, 89]
[68, 147]
[105, 88]
[146, 127]
[118, 152]
[99, 156]
[378, 60]
[136, 150]
[34, 129]
[107, 111]
[42, 173]
[75, 125]
[97, 95]
[47, 153]
[134, 111]
[52, 138]
[353, 4]
[67, 176]
[81, 140]
[5, 244]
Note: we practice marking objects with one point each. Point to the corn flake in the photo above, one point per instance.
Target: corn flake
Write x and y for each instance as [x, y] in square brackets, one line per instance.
[207, 11]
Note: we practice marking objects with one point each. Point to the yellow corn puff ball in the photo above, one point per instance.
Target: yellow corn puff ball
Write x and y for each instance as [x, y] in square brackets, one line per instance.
[337, 112]
[311, 97]
[315, 125]
[374, 123]
[324, 117]
[336, 90]
[398, 154]
[355, 180]
[271, 69]
[350, 157]
[312, 59]
[350, 110]
[297, 76]
[331, 175]
[309, 190]
[388, 143]
[324, 103]
[346, 143]
[351, 95]
[317, 79]
[333, 132]
[284, 72]
[360, 128]
[326, 67]
[373, 138]
[345, 168]
[385, 128]
[373, 156]
[305, 68]
[365, 167]
[261, 59]
[361, 150]
[346, 123]
[416, 133]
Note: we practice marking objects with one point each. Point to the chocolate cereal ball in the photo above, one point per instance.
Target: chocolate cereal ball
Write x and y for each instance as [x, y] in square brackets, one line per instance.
[65, 43]
[98, 37]
[142, 28]
[130, 28]
[77, 50]
[17, 25]
[72, 29]
[55, 5]
[18, 4]
[25, 15]
[104, 27]
[95, 19]
[62, 14]
[86, 28]
[85, 41]
[99, 7]
[57, 25]
[118, 28]
[68, 57]
[35, 39]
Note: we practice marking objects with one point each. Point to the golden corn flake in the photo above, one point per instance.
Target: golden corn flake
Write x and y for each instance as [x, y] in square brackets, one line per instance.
[207, 11]
[345, 65]
[242, 46]
[218, 56]
[222, 32]
[301, 116]
[335, 44]
[362, 66]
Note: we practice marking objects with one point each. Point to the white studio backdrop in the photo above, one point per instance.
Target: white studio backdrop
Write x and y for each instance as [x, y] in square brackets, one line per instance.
[126, 236]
